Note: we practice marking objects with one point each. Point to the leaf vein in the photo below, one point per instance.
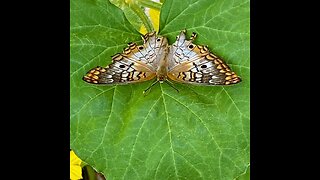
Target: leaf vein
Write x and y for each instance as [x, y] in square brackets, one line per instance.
[135, 141]
[170, 134]
[241, 114]
[200, 119]
[157, 168]
[190, 164]
[106, 125]
[227, 10]
[167, 23]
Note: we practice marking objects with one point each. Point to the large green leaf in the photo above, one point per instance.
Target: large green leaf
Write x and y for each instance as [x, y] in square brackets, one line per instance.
[199, 133]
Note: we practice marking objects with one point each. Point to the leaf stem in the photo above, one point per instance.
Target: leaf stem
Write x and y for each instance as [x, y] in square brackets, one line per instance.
[150, 4]
[144, 18]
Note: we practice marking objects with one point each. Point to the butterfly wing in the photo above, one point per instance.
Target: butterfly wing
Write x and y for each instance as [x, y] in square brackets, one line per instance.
[136, 63]
[195, 64]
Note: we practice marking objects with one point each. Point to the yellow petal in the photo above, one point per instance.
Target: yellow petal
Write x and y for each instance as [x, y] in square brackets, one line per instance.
[74, 159]
[75, 168]
[143, 30]
[154, 16]
[75, 173]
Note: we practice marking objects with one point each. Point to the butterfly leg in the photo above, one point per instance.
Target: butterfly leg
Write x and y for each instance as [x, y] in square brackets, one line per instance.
[154, 83]
[171, 84]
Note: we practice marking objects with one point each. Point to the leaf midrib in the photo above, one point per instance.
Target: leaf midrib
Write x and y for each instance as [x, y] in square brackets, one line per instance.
[170, 134]
[137, 135]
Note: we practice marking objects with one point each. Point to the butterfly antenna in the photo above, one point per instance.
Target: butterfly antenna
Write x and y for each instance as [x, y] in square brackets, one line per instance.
[171, 84]
[154, 83]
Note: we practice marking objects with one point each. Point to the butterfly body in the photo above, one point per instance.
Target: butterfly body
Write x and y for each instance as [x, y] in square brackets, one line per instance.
[182, 61]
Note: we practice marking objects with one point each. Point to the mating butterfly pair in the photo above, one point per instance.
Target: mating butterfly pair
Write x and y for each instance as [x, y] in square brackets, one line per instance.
[182, 61]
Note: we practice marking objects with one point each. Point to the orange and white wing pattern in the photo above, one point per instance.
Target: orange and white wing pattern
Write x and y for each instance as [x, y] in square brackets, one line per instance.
[136, 63]
[195, 64]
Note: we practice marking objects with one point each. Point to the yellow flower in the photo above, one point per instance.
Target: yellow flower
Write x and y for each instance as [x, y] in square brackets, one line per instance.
[75, 168]
[154, 17]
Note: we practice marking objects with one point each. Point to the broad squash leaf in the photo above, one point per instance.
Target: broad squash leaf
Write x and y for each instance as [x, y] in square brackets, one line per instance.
[202, 132]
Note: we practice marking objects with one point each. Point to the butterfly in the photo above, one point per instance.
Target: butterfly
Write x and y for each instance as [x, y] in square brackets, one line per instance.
[183, 62]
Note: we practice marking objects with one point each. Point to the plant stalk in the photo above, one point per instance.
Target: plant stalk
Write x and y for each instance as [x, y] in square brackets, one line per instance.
[144, 18]
[150, 4]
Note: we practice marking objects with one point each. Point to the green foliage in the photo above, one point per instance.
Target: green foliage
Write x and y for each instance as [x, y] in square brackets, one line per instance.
[199, 133]
[245, 176]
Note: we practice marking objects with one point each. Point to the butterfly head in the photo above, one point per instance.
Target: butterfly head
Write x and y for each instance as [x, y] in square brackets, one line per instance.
[161, 78]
